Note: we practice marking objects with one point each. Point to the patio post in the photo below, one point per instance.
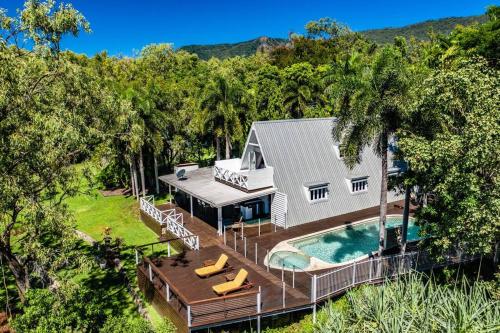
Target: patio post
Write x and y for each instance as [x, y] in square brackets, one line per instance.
[313, 296]
[258, 309]
[259, 226]
[189, 315]
[170, 193]
[168, 292]
[150, 273]
[256, 253]
[354, 273]
[268, 260]
[136, 257]
[284, 293]
[371, 268]
[168, 248]
[191, 204]
[219, 220]
[224, 232]
[234, 242]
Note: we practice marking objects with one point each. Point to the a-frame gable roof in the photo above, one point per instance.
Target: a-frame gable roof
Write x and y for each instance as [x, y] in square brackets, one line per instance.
[302, 151]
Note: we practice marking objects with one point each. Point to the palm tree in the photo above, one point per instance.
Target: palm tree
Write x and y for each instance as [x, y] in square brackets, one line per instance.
[148, 121]
[301, 89]
[222, 103]
[370, 99]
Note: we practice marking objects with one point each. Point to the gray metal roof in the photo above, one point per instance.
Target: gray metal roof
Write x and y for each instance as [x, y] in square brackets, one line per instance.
[302, 152]
[201, 184]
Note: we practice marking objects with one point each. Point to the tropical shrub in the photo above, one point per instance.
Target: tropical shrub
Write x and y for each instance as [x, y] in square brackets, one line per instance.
[414, 304]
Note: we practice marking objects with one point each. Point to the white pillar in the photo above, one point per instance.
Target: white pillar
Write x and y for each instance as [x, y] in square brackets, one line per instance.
[219, 220]
[191, 204]
[170, 193]
[258, 309]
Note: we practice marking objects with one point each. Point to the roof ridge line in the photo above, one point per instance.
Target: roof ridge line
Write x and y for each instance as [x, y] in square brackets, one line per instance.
[293, 120]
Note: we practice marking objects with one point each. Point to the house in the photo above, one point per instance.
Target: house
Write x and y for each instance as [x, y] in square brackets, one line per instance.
[291, 173]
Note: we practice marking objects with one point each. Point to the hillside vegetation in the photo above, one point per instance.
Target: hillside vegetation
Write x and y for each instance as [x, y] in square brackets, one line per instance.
[420, 30]
[386, 35]
[229, 50]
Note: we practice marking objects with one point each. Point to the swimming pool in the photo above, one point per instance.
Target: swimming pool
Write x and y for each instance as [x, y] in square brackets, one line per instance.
[289, 259]
[348, 243]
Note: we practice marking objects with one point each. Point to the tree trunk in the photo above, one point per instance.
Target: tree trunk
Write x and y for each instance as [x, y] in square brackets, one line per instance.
[132, 185]
[217, 147]
[383, 195]
[141, 170]
[406, 217]
[19, 273]
[136, 183]
[228, 147]
[157, 183]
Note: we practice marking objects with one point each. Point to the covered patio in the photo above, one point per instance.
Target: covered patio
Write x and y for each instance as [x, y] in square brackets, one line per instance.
[217, 203]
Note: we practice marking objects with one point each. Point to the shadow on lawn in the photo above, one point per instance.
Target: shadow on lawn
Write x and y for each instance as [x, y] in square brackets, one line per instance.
[107, 284]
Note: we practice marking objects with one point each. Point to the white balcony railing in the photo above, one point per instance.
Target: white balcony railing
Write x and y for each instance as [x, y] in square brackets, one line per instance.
[247, 180]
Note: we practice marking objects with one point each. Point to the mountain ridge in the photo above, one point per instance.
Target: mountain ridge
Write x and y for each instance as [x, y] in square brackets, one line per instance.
[418, 30]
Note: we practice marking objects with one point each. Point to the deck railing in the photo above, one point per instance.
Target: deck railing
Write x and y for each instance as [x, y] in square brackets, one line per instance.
[291, 276]
[375, 270]
[197, 313]
[336, 281]
[173, 221]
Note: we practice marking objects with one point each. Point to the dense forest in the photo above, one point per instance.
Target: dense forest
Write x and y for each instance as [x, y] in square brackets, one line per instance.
[135, 118]
[419, 31]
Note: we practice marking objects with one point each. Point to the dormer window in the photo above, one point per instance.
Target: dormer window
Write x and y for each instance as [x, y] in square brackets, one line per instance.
[317, 192]
[358, 185]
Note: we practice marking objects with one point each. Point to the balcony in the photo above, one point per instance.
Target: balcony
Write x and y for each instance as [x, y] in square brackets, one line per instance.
[229, 172]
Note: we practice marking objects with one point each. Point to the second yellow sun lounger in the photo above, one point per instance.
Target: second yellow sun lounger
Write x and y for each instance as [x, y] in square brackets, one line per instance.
[239, 282]
[219, 266]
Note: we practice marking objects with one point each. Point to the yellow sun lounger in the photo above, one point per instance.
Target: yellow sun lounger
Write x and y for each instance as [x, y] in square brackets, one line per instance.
[219, 266]
[239, 282]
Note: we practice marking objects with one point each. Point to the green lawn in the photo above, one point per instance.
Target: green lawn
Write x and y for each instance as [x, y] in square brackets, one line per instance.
[93, 213]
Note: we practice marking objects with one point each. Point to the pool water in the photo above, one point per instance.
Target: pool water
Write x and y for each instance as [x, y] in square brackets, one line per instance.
[351, 242]
[289, 259]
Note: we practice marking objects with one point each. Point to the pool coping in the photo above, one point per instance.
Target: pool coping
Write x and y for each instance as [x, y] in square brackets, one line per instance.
[315, 263]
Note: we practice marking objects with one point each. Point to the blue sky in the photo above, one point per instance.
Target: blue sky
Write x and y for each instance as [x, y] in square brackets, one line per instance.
[122, 26]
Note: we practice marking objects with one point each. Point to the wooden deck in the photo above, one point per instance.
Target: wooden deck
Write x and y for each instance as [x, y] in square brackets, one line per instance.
[257, 247]
[176, 291]
[206, 307]
[269, 240]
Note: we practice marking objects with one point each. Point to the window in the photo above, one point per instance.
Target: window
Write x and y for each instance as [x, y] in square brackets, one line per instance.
[359, 185]
[319, 193]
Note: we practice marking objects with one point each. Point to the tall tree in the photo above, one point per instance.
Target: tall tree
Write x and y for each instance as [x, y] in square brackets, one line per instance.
[49, 108]
[222, 102]
[370, 102]
[452, 144]
[301, 89]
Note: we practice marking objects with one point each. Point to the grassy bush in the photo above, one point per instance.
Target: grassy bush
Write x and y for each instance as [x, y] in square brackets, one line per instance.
[414, 304]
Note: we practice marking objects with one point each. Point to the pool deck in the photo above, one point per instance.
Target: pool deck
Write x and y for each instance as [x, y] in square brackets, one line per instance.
[271, 239]
[246, 252]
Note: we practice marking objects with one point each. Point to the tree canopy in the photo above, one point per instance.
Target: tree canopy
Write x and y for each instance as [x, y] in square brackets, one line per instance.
[135, 117]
